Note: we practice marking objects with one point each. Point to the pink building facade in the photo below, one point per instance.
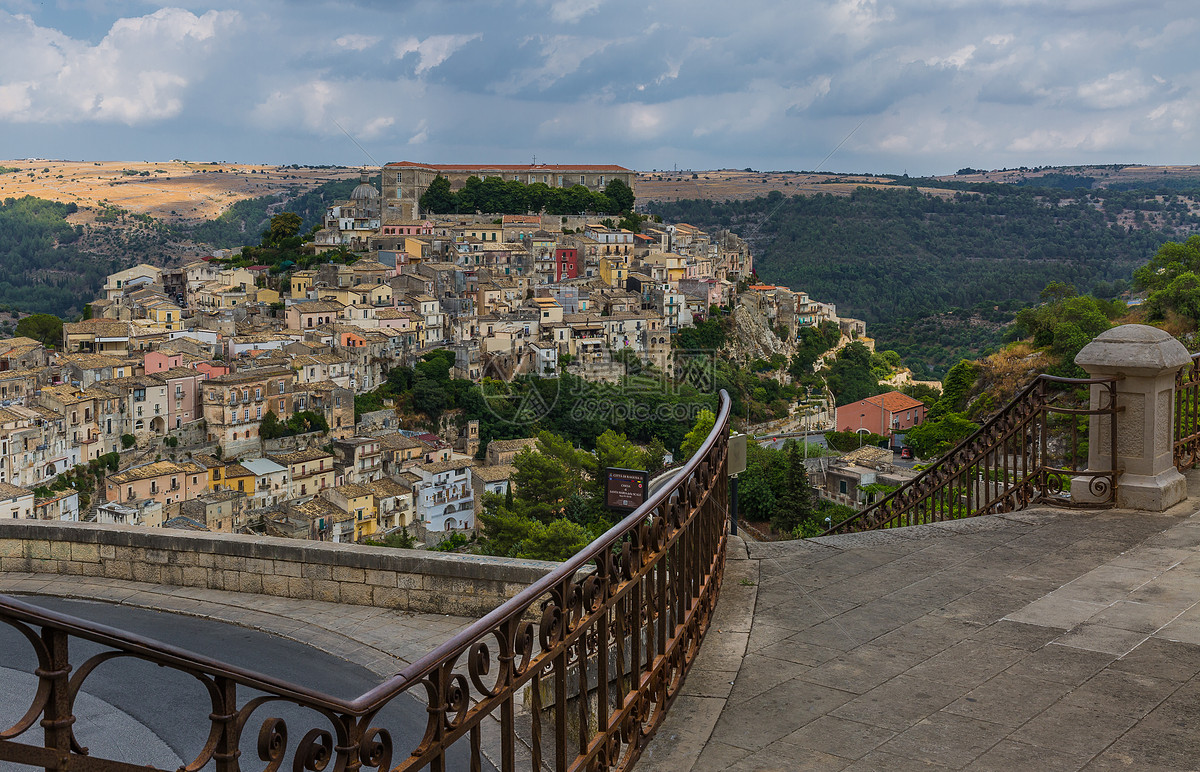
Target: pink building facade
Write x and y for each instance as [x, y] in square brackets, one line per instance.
[884, 414]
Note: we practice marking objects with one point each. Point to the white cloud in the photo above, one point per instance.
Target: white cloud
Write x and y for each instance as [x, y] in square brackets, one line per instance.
[138, 73]
[324, 107]
[940, 83]
[356, 42]
[433, 50]
[571, 11]
[1115, 90]
[421, 136]
[957, 59]
[562, 55]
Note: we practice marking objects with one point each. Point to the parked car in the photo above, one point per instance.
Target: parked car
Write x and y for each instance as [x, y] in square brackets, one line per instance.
[906, 453]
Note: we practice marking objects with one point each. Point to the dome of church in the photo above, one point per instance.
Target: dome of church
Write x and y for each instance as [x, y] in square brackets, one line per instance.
[364, 190]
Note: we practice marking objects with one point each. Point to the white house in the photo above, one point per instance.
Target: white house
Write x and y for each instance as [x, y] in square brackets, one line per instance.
[444, 498]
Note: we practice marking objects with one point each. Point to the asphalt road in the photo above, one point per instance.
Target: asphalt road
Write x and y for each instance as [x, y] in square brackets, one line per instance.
[777, 442]
[140, 713]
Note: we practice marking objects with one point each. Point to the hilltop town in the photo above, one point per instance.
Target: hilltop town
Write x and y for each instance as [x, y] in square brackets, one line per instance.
[221, 396]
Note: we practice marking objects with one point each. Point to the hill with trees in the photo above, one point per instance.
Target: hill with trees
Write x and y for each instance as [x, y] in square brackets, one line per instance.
[888, 254]
[44, 268]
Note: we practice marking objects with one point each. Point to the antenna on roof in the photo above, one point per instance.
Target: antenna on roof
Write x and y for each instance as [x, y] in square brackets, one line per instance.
[535, 159]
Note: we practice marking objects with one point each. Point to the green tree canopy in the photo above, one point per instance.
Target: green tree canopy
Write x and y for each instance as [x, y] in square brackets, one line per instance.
[438, 197]
[1172, 259]
[615, 450]
[44, 328]
[284, 225]
[1065, 325]
[620, 194]
[933, 438]
[850, 378]
[695, 438]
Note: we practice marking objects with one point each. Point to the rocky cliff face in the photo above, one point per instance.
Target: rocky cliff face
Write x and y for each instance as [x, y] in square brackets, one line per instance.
[1002, 375]
[752, 334]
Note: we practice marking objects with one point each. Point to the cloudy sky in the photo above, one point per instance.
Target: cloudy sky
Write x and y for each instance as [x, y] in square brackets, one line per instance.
[923, 86]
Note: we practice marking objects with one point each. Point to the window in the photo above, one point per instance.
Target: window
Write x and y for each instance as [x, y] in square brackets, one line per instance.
[842, 486]
[581, 179]
[258, 393]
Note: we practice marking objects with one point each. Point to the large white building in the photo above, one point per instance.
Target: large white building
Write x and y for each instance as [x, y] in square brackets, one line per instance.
[445, 500]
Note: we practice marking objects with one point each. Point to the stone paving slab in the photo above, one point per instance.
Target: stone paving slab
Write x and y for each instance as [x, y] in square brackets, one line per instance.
[380, 640]
[1043, 640]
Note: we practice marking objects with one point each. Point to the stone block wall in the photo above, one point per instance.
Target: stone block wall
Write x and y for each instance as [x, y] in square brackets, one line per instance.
[407, 580]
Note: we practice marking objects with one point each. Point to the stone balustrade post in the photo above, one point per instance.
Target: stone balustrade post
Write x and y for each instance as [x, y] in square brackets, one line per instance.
[1147, 360]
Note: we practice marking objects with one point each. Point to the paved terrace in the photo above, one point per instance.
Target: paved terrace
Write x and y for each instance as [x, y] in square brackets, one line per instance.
[1042, 640]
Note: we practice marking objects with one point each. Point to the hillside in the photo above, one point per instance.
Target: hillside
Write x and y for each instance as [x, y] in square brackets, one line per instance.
[746, 184]
[743, 184]
[888, 254]
[56, 255]
[170, 191]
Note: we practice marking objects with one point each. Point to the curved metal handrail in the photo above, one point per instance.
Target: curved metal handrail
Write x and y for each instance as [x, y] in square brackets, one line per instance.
[652, 578]
[1025, 413]
[1186, 446]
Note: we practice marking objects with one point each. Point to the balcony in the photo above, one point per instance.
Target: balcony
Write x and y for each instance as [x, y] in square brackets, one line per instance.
[483, 722]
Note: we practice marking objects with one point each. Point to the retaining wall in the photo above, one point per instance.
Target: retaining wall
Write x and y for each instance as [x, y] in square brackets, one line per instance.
[408, 580]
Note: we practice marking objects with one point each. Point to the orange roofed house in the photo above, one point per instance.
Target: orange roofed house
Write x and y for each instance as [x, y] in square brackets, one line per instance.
[883, 414]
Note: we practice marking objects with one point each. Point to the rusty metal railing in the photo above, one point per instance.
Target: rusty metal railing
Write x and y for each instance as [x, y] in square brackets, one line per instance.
[1187, 415]
[1034, 451]
[575, 672]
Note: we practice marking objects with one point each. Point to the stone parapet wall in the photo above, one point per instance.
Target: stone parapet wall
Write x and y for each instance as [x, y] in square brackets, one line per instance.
[407, 580]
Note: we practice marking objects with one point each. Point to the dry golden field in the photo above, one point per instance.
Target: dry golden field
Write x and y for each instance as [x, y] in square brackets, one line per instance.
[1105, 175]
[171, 190]
[736, 184]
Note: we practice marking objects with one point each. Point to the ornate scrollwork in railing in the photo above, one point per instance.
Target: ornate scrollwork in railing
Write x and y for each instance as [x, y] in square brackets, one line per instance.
[1187, 415]
[1034, 451]
[583, 687]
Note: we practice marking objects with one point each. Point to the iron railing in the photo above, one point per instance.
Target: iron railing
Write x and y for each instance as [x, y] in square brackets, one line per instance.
[1034, 451]
[1187, 415]
[575, 672]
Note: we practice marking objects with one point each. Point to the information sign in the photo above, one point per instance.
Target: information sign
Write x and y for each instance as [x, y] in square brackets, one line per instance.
[625, 489]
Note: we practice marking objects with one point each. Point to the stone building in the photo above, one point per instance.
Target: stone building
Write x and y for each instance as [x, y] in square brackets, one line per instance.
[404, 182]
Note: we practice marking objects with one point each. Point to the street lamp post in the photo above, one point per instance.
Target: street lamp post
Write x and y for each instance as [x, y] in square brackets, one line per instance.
[807, 408]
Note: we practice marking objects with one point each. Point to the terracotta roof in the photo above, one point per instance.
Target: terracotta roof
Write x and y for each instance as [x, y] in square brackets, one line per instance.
[446, 466]
[494, 473]
[155, 469]
[300, 456]
[9, 491]
[895, 401]
[517, 444]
